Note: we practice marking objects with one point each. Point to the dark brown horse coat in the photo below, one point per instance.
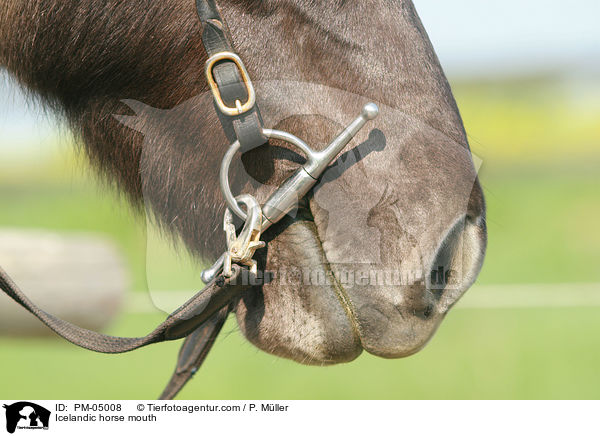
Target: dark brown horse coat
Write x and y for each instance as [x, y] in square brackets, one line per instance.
[374, 258]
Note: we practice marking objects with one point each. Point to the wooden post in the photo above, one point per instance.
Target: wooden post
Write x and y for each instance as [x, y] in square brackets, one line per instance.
[81, 278]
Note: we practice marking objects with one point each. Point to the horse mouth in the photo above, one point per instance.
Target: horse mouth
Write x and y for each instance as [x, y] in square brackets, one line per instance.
[356, 266]
[316, 310]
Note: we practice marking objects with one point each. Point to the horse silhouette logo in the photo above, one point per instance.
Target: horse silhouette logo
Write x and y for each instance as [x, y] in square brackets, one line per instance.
[26, 415]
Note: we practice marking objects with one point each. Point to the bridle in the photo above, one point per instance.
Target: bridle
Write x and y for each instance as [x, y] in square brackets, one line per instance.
[201, 317]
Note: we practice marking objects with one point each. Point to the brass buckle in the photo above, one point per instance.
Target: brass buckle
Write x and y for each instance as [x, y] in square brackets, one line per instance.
[239, 107]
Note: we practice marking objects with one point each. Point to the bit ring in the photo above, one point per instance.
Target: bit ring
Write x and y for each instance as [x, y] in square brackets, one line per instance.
[233, 148]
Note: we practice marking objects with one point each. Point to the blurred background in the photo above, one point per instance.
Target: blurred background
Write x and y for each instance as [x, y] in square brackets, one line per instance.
[526, 76]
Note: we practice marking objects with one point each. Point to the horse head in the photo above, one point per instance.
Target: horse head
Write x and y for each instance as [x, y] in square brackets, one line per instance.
[390, 238]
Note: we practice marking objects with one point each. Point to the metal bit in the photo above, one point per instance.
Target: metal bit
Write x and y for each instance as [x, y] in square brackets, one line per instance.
[286, 197]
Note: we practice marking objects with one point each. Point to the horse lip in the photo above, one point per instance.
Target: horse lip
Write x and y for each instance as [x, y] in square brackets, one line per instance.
[293, 258]
[304, 210]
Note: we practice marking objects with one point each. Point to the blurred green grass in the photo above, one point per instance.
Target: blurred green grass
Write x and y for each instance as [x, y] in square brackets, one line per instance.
[477, 353]
[532, 120]
[541, 155]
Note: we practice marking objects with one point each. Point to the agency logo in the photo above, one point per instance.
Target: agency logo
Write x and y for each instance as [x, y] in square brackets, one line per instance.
[26, 415]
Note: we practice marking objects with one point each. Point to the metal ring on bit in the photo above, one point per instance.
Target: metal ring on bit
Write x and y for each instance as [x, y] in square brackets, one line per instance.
[233, 148]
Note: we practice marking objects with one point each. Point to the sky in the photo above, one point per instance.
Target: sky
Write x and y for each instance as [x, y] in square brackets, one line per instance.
[473, 38]
[476, 37]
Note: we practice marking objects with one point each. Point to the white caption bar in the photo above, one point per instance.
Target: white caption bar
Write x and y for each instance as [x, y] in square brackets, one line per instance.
[22, 417]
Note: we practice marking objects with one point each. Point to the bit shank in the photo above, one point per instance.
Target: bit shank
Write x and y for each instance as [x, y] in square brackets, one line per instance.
[286, 197]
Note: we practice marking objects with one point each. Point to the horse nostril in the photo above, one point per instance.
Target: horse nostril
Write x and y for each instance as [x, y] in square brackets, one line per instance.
[458, 259]
[428, 311]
